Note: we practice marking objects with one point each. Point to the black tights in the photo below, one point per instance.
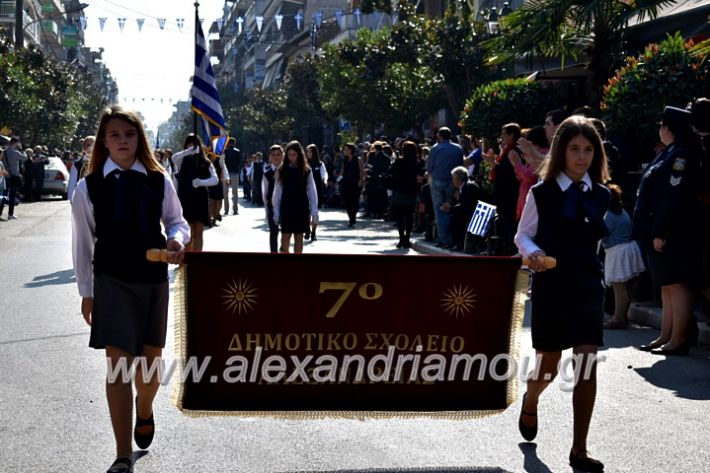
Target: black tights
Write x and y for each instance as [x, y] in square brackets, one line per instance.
[405, 221]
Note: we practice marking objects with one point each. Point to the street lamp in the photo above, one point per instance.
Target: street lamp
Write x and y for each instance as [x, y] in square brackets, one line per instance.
[20, 28]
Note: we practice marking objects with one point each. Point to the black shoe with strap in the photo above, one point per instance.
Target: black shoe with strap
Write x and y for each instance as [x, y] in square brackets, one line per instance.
[583, 462]
[121, 465]
[528, 432]
[143, 440]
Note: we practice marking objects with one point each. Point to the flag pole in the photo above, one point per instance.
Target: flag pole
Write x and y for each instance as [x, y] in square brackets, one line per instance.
[197, 25]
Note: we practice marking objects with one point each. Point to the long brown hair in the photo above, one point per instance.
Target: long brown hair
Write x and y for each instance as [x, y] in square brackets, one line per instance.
[143, 152]
[568, 129]
[300, 161]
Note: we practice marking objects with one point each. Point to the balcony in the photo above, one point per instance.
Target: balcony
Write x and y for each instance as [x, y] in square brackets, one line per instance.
[50, 27]
[7, 9]
[32, 29]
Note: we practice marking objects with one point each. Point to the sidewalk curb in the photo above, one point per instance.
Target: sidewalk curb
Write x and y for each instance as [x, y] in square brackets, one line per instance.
[430, 248]
[652, 317]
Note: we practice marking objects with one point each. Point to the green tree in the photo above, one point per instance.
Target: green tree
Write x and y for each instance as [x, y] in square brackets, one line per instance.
[454, 50]
[669, 73]
[303, 99]
[562, 29]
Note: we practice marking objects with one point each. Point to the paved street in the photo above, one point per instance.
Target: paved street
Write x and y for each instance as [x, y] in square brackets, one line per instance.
[652, 413]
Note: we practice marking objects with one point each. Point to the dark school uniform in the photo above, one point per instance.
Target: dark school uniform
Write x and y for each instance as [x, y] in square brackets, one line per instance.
[568, 222]
[195, 201]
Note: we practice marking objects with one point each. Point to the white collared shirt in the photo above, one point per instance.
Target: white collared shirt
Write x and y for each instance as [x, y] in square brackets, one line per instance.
[84, 225]
[527, 228]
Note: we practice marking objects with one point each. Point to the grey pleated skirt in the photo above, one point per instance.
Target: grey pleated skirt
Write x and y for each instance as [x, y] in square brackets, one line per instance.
[128, 316]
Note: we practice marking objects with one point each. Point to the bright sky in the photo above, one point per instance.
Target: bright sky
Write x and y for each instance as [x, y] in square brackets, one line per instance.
[151, 64]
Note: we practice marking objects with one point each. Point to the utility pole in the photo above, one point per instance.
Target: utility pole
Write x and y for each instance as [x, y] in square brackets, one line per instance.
[19, 25]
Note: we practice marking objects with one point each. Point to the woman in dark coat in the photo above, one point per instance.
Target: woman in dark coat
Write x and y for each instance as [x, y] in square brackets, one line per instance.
[351, 181]
[404, 185]
[665, 225]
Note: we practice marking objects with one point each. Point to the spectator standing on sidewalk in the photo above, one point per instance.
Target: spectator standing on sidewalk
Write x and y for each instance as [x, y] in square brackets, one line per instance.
[665, 224]
[276, 157]
[116, 216]
[78, 168]
[14, 157]
[564, 218]
[233, 162]
[443, 158]
[295, 199]
[623, 260]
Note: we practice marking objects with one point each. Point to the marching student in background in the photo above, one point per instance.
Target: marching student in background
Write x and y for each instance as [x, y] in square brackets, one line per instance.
[116, 216]
[351, 181]
[276, 157]
[233, 162]
[194, 173]
[295, 199]
[79, 165]
[216, 192]
[564, 218]
[404, 185]
[320, 176]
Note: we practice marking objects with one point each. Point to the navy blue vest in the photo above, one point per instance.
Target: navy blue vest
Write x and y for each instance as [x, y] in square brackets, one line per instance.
[573, 242]
[127, 209]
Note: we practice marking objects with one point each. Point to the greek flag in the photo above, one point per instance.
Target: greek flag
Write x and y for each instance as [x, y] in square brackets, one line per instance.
[481, 219]
[205, 98]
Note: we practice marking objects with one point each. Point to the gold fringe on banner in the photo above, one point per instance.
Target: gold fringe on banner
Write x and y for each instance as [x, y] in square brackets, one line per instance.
[516, 325]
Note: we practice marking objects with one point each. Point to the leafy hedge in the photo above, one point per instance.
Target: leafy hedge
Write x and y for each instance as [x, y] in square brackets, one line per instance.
[494, 104]
[669, 73]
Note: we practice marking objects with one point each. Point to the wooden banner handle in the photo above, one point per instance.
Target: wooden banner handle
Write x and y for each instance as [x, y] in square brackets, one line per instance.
[156, 255]
[550, 262]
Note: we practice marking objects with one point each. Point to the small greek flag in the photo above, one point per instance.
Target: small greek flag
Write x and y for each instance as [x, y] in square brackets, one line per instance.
[481, 219]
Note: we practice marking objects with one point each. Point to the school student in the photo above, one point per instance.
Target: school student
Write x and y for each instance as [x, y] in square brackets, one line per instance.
[295, 199]
[563, 218]
[276, 157]
[194, 173]
[320, 176]
[117, 212]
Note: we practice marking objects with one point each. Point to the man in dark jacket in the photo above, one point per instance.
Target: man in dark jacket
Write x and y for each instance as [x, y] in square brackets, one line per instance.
[465, 199]
[233, 162]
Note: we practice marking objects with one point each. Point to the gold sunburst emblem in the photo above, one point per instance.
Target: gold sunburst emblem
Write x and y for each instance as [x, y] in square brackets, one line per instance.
[458, 301]
[240, 297]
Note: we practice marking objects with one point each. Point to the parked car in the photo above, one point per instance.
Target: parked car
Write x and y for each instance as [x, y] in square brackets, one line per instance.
[56, 178]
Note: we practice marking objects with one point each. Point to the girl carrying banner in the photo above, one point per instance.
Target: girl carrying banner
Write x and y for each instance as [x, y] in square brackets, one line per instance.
[116, 216]
[563, 217]
[295, 198]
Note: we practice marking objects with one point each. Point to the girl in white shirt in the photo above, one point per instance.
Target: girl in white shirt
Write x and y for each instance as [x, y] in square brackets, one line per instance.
[117, 211]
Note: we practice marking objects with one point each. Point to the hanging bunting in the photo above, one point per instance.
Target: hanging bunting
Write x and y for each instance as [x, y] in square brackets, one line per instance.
[248, 35]
[220, 23]
[82, 22]
[102, 22]
[318, 18]
[357, 15]
[279, 19]
[180, 23]
[259, 23]
[298, 19]
[161, 100]
[140, 22]
[161, 23]
[240, 22]
[338, 15]
[121, 24]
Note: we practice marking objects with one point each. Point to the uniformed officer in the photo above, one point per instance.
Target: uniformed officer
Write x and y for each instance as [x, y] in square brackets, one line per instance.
[665, 226]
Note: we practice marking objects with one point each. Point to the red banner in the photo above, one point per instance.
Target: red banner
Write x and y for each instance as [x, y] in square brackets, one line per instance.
[348, 335]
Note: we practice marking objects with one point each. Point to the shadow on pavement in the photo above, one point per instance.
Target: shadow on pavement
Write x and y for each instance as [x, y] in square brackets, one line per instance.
[532, 462]
[53, 279]
[444, 469]
[686, 376]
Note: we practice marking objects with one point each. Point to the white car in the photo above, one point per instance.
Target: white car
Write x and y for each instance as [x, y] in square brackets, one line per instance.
[56, 178]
